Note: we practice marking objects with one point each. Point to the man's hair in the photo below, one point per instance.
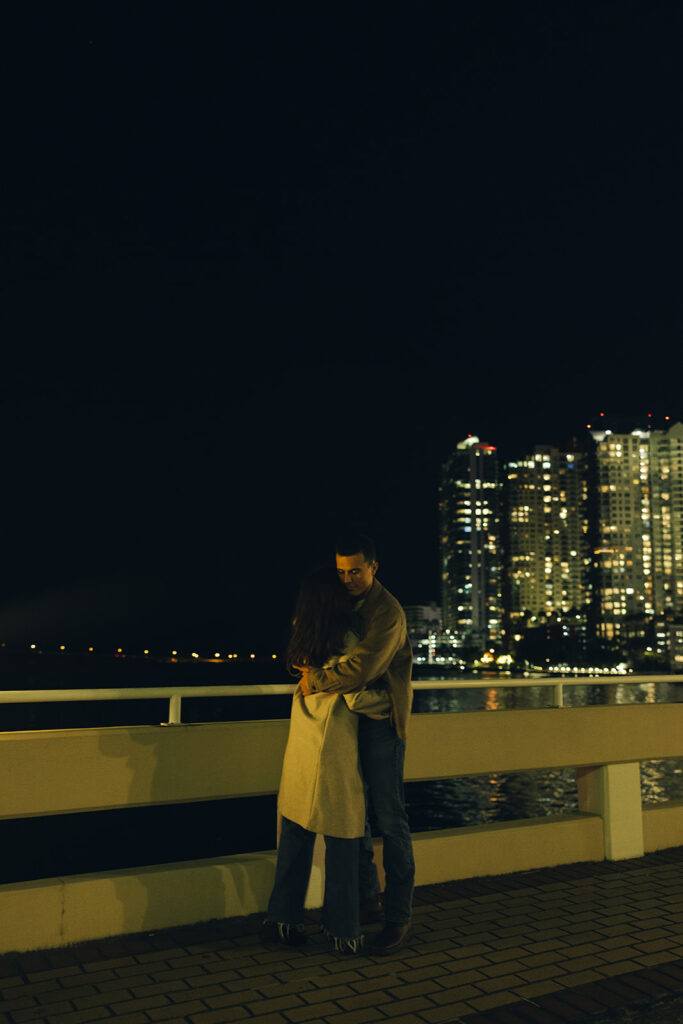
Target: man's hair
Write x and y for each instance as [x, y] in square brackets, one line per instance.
[352, 543]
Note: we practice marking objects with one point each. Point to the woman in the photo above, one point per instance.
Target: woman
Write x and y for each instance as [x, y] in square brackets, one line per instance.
[321, 789]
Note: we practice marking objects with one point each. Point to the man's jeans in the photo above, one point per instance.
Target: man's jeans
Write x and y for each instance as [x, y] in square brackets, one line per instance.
[294, 859]
[382, 754]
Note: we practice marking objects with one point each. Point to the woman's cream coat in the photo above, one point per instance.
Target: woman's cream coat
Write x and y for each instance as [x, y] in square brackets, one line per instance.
[321, 787]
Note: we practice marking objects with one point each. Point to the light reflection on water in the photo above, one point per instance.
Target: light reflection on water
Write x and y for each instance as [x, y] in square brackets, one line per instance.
[455, 803]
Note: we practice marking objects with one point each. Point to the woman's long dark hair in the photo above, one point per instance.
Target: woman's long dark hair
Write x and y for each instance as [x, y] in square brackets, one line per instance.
[322, 617]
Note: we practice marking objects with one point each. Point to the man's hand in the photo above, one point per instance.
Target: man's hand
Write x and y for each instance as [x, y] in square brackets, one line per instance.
[303, 683]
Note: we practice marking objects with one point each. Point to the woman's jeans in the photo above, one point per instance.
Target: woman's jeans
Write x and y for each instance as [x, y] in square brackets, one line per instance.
[294, 859]
[382, 754]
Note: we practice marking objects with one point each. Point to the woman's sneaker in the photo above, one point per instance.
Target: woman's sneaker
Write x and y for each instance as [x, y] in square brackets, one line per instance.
[274, 933]
[347, 947]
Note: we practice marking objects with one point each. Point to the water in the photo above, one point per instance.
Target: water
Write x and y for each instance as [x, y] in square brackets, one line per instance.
[103, 841]
[454, 803]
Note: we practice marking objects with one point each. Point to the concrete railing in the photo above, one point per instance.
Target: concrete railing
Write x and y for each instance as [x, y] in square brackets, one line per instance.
[61, 771]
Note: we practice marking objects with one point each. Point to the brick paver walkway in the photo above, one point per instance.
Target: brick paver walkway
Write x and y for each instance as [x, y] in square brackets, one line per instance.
[584, 942]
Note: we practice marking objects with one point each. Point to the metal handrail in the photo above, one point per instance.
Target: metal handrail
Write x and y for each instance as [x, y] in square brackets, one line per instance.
[175, 694]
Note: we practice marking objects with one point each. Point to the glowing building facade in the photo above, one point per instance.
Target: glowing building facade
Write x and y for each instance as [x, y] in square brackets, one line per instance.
[470, 504]
[548, 534]
[623, 554]
[666, 497]
[593, 541]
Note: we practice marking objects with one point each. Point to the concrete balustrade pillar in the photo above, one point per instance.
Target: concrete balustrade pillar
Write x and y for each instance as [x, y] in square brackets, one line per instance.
[613, 792]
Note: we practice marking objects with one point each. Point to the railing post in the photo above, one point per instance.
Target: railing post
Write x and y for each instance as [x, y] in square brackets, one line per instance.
[174, 710]
[559, 694]
[613, 792]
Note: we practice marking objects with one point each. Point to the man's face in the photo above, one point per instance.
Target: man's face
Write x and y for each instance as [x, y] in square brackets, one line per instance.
[356, 574]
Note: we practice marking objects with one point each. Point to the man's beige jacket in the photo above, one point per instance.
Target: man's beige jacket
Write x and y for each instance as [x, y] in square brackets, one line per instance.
[382, 657]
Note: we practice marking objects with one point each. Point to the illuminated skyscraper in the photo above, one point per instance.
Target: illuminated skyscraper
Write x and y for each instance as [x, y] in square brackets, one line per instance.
[470, 500]
[548, 533]
[623, 553]
[666, 496]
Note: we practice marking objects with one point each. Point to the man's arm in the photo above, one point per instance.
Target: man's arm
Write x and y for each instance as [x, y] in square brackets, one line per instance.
[369, 659]
[371, 701]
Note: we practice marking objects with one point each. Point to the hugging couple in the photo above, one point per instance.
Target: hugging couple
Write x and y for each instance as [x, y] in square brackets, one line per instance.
[346, 744]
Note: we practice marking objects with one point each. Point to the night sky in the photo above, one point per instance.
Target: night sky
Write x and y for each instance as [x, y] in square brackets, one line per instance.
[269, 263]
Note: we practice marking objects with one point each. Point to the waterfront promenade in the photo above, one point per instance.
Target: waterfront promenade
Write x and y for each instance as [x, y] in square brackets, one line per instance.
[571, 916]
[597, 941]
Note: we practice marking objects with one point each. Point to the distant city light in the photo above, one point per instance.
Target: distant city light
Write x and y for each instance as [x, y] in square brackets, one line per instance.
[145, 652]
[252, 655]
[216, 654]
[33, 647]
[274, 656]
[194, 654]
[62, 647]
[174, 653]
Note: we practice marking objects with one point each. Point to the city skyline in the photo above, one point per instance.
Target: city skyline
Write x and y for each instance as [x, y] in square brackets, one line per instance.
[515, 470]
[589, 536]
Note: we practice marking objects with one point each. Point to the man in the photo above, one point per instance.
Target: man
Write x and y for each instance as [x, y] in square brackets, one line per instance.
[383, 657]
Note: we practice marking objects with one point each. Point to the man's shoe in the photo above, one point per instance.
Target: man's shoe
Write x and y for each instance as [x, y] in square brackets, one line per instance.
[371, 910]
[390, 939]
[272, 933]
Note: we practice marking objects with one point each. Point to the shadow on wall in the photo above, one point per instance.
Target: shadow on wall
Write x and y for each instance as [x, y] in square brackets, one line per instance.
[188, 892]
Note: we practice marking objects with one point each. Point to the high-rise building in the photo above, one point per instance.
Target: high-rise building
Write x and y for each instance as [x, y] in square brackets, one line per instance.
[422, 619]
[674, 636]
[423, 622]
[623, 553]
[470, 503]
[666, 497]
[548, 533]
